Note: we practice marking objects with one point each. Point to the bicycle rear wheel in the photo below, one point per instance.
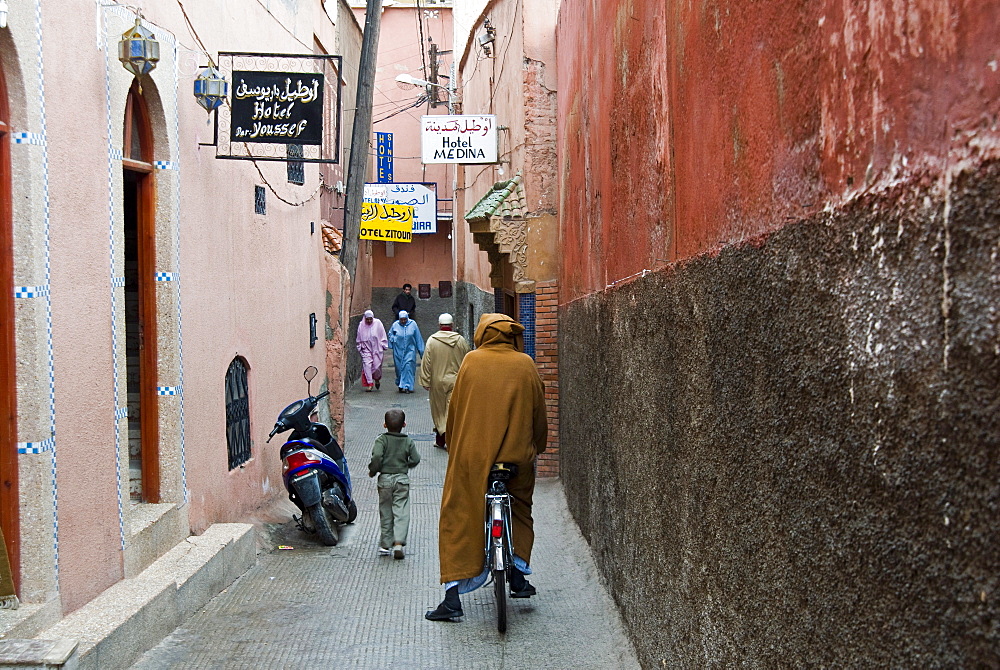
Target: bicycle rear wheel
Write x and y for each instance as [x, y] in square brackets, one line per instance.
[500, 591]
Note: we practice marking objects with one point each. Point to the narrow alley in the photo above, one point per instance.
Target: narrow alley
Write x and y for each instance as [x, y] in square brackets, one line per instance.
[348, 607]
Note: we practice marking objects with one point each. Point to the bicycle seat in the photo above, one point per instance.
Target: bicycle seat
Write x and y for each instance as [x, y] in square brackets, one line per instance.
[502, 472]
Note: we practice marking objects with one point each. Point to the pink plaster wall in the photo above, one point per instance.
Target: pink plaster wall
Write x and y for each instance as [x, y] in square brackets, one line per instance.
[248, 285]
[687, 126]
[89, 538]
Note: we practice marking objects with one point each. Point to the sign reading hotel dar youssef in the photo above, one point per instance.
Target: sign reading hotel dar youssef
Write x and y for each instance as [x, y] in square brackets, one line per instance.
[470, 138]
[277, 107]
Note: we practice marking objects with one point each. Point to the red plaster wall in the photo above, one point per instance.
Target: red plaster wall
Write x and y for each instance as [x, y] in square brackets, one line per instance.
[686, 126]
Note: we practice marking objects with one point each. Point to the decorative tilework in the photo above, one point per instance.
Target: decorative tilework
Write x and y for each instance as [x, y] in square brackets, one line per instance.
[48, 300]
[31, 291]
[498, 300]
[36, 447]
[526, 316]
[177, 266]
[165, 165]
[121, 413]
[115, 155]
[28, 138]
[167, 390]
[165, 276]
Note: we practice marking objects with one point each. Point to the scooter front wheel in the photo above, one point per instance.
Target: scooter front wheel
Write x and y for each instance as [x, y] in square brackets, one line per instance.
[321, 520]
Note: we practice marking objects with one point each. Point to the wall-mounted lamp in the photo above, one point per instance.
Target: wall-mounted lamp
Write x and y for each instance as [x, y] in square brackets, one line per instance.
[138, 49]
[210, 88]
[312, 330]
[3, 13]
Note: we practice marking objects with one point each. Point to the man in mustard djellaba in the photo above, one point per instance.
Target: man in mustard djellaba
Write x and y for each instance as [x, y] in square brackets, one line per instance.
[497, 415]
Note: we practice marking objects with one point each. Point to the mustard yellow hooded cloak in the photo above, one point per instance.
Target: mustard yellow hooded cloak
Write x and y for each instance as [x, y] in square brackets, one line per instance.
[497, 414]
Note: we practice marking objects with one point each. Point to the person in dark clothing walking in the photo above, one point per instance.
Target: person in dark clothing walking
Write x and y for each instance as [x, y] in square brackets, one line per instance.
[404, 302]
[393, 455]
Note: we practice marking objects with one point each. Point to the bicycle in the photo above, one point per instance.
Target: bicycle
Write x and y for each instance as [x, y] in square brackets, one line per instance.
[499, 540]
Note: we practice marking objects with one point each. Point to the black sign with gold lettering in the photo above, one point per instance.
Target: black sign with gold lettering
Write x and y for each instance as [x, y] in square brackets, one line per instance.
[277, 107]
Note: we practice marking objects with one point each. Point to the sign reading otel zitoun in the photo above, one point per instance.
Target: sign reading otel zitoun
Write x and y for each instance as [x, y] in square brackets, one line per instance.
[470, 138]
[277, 107]
[386, 222]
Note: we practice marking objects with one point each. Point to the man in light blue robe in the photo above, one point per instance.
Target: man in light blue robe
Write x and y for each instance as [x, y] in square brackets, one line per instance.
[406, 342]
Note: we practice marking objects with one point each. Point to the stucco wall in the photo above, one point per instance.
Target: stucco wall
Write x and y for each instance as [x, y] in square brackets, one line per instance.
[243, 284]
[786, 455]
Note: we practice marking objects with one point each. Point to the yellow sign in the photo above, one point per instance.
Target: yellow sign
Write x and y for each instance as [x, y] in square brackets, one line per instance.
[386, 222]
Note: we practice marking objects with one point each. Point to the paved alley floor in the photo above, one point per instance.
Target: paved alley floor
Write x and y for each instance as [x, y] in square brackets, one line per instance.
[348, 607]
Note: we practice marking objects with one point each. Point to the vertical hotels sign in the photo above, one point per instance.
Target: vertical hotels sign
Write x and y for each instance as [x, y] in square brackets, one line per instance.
[470, 138]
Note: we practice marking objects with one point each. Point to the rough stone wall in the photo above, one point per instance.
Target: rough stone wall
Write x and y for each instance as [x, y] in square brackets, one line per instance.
[787, 453]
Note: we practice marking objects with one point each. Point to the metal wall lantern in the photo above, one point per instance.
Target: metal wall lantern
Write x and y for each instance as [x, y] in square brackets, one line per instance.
[138, 49]
[3, 13]
[210, 88]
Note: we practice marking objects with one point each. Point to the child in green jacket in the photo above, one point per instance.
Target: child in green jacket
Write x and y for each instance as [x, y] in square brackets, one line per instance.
[392, 457]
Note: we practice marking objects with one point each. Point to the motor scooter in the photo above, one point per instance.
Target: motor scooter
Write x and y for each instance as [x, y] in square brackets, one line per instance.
[314, 469]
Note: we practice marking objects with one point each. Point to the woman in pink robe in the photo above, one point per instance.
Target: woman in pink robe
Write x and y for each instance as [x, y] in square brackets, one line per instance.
[371, 342]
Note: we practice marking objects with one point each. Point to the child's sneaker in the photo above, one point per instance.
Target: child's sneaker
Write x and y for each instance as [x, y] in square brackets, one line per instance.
[397, 551]
[384, 551]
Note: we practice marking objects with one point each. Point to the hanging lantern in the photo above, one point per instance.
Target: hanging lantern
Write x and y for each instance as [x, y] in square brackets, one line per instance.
[138, 49]
[210, 88]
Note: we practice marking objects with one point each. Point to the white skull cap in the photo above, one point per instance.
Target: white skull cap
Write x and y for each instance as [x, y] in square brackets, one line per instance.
[403, 314]
[445, 319]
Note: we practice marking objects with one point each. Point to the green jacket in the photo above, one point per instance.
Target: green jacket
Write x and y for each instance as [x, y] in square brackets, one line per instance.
[393, 454]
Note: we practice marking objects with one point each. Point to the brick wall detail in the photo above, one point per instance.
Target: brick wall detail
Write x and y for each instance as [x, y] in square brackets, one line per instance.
[547, 360]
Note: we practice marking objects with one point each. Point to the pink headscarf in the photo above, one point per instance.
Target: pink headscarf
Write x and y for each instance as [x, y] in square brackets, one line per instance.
[371, 337]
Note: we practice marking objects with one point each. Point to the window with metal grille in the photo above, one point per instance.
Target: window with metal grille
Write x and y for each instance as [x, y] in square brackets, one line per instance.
[237, 413]
[260, 200]
[296, 169]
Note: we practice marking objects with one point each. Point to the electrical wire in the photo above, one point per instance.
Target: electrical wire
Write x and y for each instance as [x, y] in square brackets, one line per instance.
[503, 60]
[194, 34]
[420, 26]
[419, 101]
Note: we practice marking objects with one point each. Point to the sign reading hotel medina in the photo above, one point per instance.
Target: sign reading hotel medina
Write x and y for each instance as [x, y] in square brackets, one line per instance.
[471, 138]
[277, 107]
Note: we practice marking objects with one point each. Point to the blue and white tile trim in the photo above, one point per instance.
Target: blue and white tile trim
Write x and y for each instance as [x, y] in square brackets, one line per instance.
[121, 413]
[31, 291]
[177, 265]
[165, 165]
[168, 390]
[48, 300]
[165, 276]
[37, 139]
[36, 447]
[526, 316]
[115, 156]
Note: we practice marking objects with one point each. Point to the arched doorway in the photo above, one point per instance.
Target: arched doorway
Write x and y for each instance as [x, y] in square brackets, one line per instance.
[139, 222]
[9, 503]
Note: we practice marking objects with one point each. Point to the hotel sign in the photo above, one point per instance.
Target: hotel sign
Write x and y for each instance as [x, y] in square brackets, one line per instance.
[470, 138]
[277, 107]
